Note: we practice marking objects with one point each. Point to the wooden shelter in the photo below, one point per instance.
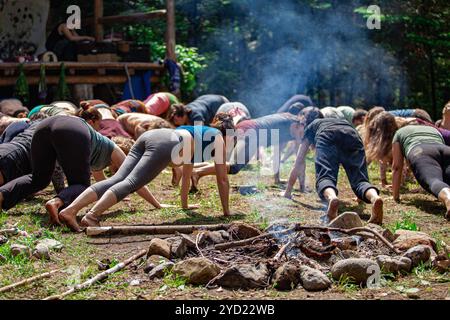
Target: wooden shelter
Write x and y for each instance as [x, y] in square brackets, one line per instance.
[100, 72]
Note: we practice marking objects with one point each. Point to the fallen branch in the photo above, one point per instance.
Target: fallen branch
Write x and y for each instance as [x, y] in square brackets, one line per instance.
[352, 231]
[99, 277]
[135, 230]
[9, 232]
[240, 243]
[196, 245]
[28, 281]
[282, 251]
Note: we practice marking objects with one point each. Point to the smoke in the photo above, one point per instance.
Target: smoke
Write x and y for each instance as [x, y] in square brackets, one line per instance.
[287, 48]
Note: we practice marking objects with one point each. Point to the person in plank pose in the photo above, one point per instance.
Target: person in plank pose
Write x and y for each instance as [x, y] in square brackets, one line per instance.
[152, 153]
[423, 148]
[336, 142]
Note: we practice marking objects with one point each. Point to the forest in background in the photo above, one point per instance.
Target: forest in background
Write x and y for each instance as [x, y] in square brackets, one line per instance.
[261, 52]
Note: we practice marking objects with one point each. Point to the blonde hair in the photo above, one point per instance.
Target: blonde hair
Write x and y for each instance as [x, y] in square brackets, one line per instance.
[152, 125]
[124, 143]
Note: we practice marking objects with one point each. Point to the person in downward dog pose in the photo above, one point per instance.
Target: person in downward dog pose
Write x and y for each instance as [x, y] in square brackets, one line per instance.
[423, 148]
[136, 124]
[236, 110]
[305, 101]
[204, 109]
[280, 129]
[78, 148]
[158, 104]
[336, 142]
[105, 119]
[152, 153]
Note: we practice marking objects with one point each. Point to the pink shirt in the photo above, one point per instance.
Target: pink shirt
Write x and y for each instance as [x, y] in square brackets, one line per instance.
[157, 104]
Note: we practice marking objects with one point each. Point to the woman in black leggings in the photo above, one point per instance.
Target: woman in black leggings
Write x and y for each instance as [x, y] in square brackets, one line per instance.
[152, 153]
[65, 139]
[78, 149]
[422, 146]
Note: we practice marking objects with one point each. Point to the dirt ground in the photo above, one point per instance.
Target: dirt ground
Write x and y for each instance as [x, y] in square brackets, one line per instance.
[79, 256]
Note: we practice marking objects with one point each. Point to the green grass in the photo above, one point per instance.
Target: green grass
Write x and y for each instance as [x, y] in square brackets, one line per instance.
[172, 280]
[346, 284]
[406, 223]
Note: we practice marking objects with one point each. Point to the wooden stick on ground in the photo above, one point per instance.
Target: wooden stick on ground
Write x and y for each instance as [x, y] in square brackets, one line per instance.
[241, 243]
[28, 281]
[101, 276]
[134, 230]
[282, 251]
[9, 232]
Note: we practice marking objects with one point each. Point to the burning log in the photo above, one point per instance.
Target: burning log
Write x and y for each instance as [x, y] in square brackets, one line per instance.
[99, 277]
[28, 281]
[137, 230]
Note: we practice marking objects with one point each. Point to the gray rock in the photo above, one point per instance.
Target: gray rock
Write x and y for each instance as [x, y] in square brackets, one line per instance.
[313, 279]
[159, 271]
[51, 244]
[347, 220]
[2, 258]
[245, 277]
[418, 254]
[41, 252]
[356, 269]
[3, 240]
[159, 247]
[287, 277]
[394, 264]
[197, 271]
[216, 237]
[154, 261]
[179, 248]
[17, 249]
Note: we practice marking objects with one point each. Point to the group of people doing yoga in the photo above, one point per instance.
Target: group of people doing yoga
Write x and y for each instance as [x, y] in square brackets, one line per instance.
[137, 140]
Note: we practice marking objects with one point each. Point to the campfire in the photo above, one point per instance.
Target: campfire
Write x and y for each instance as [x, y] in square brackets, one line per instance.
[240, 256]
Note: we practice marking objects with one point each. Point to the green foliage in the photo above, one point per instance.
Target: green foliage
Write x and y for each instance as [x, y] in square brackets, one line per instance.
[346, 283]
[22, 90]
[63, 91]
[191, 61]
[172, 280]
[406, 223]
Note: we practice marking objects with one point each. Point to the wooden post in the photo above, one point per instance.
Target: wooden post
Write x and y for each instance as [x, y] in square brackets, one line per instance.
[98, 13]
[170, 32]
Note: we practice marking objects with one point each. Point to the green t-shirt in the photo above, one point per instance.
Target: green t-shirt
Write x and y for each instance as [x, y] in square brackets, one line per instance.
[172, 98]
[413, 135]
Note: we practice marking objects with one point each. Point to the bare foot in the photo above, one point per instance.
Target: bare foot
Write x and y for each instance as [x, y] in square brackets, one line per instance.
[177, 174]
[333, 207]
[70, 219]
[194, 180]
[90, 220]
[52, 207]
[377, 212]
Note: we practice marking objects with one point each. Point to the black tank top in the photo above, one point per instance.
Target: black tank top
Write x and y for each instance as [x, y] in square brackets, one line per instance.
[54, 38]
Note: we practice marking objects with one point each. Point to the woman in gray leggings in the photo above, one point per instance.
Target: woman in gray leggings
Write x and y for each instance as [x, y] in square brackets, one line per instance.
[152, 153]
